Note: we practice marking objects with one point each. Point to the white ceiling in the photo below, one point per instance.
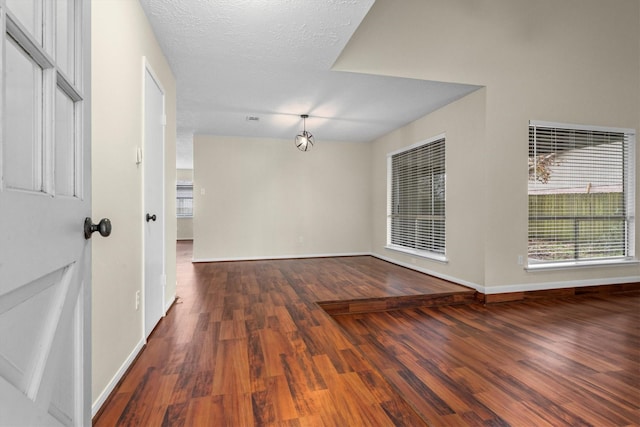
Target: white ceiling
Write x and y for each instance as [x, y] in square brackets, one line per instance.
[272, 59]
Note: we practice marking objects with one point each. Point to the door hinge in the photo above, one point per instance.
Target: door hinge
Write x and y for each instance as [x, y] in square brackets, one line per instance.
[164, 119]
[163, 280]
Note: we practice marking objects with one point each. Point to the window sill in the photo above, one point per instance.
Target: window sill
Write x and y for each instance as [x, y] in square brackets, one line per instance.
[422, 254]
[580, 264]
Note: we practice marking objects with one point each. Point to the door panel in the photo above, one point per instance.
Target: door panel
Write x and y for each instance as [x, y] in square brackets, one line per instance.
[65, 37]
[65, 145]
[44, 199]
[23, 114]
[154, 202]
[19, 351]
[29, 14]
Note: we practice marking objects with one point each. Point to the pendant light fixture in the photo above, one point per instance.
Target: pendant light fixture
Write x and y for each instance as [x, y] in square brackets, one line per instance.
[304, 140]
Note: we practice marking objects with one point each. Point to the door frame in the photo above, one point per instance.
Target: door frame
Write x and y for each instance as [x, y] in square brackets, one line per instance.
[147, 68]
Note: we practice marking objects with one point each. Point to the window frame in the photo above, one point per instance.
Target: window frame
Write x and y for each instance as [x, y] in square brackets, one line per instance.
[184, 185]
[628, 167]
[431, 255]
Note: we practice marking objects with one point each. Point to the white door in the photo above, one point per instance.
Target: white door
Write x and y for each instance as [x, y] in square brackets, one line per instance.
[45, 195]
[153, 162]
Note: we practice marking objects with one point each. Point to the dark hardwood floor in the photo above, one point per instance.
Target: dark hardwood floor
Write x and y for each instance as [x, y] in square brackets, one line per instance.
[247, 344]
[552, 362]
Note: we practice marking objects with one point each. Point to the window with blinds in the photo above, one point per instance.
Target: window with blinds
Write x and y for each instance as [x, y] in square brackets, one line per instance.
[416, 201]
[184, 199]
[581, 189]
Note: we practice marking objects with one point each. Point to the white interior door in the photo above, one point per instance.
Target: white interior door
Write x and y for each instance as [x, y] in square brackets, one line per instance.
[153, 161]
[45, 294]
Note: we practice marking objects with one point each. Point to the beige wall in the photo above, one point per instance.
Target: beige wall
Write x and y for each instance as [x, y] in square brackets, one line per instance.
[185, 228]
[463, 124]
[184, 174]
[185, 225]
[562, 61]
[263, 198]
[121, 37]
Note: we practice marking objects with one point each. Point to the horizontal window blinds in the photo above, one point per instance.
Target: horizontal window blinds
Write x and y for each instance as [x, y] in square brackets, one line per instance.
[417, 198]
[580, 194]
[184, 199]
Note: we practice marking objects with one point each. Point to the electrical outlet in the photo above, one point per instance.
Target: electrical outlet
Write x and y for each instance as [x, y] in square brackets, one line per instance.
[520, 260]
[137, 300]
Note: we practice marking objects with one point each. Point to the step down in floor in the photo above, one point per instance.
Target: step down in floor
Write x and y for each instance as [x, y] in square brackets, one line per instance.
[370, 305]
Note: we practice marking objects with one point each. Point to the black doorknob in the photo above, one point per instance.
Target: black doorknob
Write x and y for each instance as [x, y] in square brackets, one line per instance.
[151, 217]
[103, 227]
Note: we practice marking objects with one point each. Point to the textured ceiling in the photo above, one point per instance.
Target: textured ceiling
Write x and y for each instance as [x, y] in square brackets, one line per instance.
[272, 59]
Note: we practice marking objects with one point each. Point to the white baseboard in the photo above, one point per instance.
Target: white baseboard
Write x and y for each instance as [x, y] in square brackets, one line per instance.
[263, 258]
[455, 280]
[525, 287]
[116, 378]
[521, 287]
[168, 305]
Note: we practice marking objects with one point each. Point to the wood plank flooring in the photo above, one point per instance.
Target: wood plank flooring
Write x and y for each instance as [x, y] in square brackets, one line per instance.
[552, 362]
[247, 344]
